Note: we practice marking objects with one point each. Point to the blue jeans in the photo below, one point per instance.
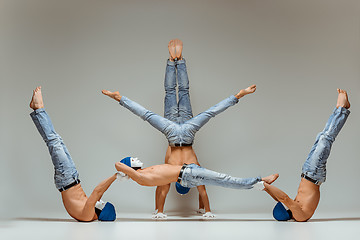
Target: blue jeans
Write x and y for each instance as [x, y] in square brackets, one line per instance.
[177, 111]
[195, 175]
[65, 171]
[178, 125]
[315, 164]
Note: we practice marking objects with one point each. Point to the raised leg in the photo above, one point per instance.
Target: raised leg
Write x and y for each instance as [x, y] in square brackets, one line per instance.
[195, 175]
[315, 164]
[185, 110]
[170, 101]
[160, 123]
[200, 120]
[65, 171]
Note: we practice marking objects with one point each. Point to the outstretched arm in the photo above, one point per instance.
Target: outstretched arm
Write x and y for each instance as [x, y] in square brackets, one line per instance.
[99, 190]
[280, 196]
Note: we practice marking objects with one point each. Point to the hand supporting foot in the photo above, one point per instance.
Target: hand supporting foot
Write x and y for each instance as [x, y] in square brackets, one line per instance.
[342, 100]
[270, 179]
[114, 95]
[246, 91]
[36, 100]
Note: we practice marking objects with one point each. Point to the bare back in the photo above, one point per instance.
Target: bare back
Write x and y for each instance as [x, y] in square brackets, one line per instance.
[181, 155]
[74, 200]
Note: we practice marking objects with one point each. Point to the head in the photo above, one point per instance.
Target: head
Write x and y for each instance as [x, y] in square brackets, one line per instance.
[105, 211]
[281, 212]
[132, 162]
[180, 189]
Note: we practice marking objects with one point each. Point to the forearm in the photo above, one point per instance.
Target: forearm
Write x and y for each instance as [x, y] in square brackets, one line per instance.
[102, 187]
[161, 197]
[89, 208]
[276, 193]
[203, 197]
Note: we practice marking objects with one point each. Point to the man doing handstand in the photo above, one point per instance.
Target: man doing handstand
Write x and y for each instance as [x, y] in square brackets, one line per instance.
[178, 109]
[313, 173]
[66, 177]
[178, 124]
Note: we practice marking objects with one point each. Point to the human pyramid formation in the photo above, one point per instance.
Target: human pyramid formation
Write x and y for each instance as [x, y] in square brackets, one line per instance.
[181, 164]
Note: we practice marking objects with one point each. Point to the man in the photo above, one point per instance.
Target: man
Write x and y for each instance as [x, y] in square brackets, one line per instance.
[178, 111]
[313, 174]
[188, 175]
[76, 203]
[178, 124]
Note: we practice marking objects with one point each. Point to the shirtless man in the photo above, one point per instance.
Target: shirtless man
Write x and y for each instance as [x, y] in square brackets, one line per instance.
[178, 111]
[76, 203]
[188, 175]
[313, 174]
[178, 124]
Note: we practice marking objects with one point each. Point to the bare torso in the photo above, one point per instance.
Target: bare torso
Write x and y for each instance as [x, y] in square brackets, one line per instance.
[159, 175]
[181, 155]
[74, 200]
[307, 198]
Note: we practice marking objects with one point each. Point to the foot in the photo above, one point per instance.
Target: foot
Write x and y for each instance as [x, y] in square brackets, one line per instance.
[114, 95]
[246, 91]
[175, 49]
[178, 48]
[270, 179]
[342, 100]
[36, 100]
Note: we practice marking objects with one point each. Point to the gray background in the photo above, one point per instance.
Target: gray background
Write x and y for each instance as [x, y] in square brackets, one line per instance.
[297, 52]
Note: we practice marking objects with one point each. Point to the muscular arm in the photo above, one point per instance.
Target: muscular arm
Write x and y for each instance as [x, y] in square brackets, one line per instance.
[162, 191]
[99, 190]
[280, 196]
[203, 197]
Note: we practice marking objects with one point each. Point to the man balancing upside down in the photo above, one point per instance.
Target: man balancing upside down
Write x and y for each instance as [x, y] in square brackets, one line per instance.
[178, 124]
[188, 175]
[66, 177]
[313, 173]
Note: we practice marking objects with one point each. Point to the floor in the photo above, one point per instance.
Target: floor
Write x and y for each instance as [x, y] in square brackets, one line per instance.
[225, 226]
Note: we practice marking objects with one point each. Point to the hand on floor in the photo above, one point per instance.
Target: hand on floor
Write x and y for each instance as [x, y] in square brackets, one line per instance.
[159, 216]
[209, 215]
[201, 211]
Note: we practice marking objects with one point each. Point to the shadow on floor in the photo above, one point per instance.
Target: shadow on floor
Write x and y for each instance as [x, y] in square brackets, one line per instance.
[127, 219]
[46, 219]
[334, 219]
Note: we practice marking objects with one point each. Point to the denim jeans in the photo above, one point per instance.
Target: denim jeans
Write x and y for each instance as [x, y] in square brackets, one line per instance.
[195, 175]
[178, 125]
[65, 171]
[177, 111]
[315, 164]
